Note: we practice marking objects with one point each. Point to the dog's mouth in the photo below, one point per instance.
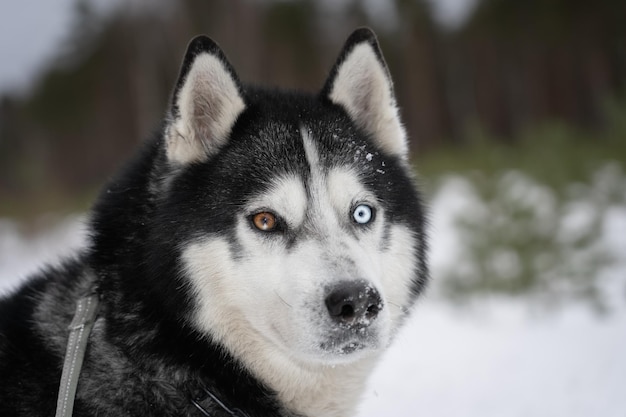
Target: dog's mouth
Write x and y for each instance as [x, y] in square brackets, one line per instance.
[349, 342]
[351, 347]
[342, 349]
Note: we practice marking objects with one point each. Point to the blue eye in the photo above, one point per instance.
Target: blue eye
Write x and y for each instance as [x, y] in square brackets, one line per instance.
[362, 214]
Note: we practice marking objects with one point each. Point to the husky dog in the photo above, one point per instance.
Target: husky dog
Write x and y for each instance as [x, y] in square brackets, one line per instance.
[253, 260]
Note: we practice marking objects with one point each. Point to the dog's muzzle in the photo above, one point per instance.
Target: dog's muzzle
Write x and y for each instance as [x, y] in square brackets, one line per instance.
[353, 304]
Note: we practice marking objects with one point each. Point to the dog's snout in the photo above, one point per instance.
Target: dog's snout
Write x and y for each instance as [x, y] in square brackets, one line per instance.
[352, 302]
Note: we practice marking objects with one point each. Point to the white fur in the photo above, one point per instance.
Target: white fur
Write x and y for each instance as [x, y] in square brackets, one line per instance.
[344, 190]
[364, 89]
[209, 104]
[291, 209]
[310, 388]
[266, 304]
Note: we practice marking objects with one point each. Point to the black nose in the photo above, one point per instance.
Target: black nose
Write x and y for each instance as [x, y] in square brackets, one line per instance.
[350, 302]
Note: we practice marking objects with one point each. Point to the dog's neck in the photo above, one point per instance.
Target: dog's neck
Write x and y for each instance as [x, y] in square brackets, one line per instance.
[311, 390]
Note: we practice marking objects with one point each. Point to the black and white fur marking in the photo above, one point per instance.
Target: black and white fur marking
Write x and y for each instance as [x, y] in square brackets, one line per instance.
[265, 245]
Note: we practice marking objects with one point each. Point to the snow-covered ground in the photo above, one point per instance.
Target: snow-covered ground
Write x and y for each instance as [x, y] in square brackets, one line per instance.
[491, 357]
[501, 360]
[22, 253]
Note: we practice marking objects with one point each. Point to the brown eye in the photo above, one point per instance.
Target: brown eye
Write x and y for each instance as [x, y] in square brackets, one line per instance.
[264, 221]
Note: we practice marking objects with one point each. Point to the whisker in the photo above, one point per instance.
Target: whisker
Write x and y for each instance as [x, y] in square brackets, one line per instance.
[402, 308]
[282, 299]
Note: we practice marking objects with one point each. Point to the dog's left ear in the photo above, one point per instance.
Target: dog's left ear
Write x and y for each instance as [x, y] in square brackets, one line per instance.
[361, 84]
[206, 102]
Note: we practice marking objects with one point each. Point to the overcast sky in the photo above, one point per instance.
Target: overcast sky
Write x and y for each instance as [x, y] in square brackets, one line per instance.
[32, 30]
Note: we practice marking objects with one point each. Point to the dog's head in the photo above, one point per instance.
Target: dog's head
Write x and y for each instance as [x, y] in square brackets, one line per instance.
[294, 218]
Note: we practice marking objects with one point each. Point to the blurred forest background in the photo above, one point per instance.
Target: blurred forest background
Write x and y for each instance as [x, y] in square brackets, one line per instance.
[525, 100]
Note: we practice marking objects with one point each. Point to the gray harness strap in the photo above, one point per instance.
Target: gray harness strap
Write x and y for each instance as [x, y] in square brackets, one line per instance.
[81, 325]
[80, 328]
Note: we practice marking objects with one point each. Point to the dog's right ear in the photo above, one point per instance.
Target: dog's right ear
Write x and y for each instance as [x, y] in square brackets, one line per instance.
[207, 101]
